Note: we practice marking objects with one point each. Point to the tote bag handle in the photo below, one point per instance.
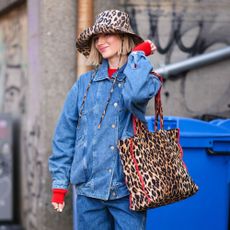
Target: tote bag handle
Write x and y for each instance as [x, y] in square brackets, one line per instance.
[159, 121]
[158, 106]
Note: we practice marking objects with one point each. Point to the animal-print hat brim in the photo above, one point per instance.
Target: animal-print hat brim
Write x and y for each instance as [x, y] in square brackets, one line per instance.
[109, 21]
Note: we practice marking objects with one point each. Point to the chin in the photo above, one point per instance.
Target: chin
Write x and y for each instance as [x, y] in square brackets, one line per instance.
[106, 56]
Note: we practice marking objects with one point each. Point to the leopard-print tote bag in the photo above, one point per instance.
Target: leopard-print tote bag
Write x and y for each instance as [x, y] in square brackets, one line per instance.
[154, 171]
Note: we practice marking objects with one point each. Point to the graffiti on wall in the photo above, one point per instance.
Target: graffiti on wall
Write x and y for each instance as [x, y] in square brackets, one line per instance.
[181, 30]
[182, 22]
[14, 90]
[12, 75]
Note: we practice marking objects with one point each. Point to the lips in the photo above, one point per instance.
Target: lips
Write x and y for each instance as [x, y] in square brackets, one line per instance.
[103, 49]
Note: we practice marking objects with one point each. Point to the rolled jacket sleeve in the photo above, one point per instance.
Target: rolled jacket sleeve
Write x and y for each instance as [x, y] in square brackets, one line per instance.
[140, 85]
[63, 143]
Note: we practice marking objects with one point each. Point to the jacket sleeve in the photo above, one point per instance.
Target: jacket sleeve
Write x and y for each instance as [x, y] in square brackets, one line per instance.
[140, 85]
[63, 143]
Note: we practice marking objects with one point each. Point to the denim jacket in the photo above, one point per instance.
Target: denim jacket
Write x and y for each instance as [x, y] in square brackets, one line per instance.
[87, 156]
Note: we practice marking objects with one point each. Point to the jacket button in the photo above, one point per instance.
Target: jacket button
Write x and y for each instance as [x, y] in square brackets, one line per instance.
[114, 194]
[112, 147]
[115, 104]
[113, 126]
[110, 170]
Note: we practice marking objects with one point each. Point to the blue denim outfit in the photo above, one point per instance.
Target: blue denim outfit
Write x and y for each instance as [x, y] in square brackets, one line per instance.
[87, 156]
[94, 214]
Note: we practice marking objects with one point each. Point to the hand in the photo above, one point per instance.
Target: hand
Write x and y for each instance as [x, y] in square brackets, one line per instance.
[58, 206]
[153, 47]
[147, 46]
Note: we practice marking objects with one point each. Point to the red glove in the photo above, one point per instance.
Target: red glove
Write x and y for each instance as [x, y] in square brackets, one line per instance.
[58, 195]
[147, 46]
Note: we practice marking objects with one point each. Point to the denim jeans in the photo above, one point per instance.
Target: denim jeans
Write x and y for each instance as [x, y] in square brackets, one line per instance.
[95, 214]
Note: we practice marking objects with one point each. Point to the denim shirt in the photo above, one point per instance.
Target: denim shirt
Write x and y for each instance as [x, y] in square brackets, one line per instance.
[87, 156]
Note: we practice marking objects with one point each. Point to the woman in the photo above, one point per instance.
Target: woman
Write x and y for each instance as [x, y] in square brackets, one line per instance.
[96, 114]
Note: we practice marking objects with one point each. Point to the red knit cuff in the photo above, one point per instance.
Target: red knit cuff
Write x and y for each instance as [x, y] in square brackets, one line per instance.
[144, 46]
[58, 195]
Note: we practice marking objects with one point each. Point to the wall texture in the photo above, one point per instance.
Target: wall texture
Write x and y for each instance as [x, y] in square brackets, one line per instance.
[37, 67]
[13, 61]
[13, 73]
[51, 42]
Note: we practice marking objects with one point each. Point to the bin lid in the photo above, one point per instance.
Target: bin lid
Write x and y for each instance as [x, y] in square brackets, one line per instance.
[223, 123]
[195, 133]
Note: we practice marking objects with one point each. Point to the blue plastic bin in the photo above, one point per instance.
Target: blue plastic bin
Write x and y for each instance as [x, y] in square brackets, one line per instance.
[223, 123]
[206, 147]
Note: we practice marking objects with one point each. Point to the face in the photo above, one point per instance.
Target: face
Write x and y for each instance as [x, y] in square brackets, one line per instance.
[108, 45]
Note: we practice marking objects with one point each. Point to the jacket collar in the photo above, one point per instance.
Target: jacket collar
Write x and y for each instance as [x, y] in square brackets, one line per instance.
[102, 72]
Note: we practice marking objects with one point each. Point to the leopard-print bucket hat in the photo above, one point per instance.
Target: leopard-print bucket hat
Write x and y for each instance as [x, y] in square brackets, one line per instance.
[109, 21]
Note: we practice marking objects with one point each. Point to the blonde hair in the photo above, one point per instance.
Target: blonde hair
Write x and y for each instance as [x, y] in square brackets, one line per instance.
[95, 58]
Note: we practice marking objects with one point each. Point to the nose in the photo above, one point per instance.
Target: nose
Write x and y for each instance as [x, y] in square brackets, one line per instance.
[100, 40]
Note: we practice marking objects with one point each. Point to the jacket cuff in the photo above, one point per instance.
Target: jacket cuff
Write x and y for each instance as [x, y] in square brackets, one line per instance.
[58, 195]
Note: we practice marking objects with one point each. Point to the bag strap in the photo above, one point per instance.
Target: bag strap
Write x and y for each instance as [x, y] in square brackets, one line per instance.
[158, 106]
[158, 110]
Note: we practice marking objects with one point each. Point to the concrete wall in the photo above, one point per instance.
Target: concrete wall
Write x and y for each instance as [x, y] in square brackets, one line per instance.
[37, 67]
[13, 61]
[51, 73]
[13, 78]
